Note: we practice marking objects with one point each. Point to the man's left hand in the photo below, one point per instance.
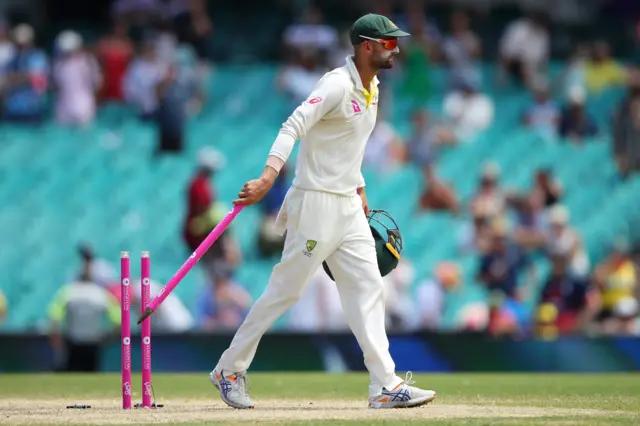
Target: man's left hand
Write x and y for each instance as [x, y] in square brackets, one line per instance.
[365, 204]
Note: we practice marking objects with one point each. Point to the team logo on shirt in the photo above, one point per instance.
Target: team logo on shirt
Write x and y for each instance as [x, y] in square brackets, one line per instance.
[311, 244]
[315, 100]
[355, 105]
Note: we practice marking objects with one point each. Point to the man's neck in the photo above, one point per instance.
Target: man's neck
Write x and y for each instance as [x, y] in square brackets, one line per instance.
[366, 73]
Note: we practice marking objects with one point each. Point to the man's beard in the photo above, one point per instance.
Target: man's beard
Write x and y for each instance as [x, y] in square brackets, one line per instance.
[384, 63]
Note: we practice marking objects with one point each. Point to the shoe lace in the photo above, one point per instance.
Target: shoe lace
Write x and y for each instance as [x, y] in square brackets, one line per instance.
[408, 379]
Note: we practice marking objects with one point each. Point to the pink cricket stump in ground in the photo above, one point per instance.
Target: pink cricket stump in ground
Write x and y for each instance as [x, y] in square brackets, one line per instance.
[125, 328]
[145, 299]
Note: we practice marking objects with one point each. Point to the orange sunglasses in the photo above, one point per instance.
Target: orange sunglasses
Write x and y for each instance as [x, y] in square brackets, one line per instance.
[388, 44]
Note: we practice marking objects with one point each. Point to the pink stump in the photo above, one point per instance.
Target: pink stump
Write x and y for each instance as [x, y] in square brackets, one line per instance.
[125, 328]
[145, 299]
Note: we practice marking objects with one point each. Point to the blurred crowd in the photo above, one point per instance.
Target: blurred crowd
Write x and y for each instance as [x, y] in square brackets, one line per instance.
[506, 230]
[161, 76]
[153, 60]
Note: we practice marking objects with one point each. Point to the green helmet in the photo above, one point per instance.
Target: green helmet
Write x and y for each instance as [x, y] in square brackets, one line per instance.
[388, 249]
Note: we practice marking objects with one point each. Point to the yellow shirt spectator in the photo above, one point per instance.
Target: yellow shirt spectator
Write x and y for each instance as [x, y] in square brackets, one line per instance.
[620, 284]
[601, 75]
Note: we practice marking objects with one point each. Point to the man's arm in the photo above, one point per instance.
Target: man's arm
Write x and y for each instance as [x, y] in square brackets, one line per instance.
[324, 99]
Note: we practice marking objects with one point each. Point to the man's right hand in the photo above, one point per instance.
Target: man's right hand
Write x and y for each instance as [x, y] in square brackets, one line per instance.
[254, 190]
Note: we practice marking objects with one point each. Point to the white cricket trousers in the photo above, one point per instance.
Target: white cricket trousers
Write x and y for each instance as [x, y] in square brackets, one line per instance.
[322, 226]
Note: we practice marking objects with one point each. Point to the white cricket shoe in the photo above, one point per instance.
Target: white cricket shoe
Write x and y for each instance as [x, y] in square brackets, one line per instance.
[402, 396]
[233, 388]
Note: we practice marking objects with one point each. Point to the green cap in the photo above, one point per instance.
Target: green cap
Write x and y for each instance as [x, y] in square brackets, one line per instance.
[374, 26]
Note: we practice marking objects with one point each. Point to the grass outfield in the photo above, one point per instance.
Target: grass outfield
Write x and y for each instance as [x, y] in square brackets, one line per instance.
[295, 399]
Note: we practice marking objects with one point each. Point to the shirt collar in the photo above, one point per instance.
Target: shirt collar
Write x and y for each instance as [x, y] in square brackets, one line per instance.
[353, 71]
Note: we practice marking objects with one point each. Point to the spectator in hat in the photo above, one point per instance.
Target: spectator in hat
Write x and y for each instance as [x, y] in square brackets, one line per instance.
[76, 79]
[201, 197]
[204, 213]
[576, 123]
[26, 80]
[469, 111]
[83, 315]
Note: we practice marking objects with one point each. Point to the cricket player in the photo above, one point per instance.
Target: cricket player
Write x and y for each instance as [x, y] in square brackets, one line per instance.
[324, 215]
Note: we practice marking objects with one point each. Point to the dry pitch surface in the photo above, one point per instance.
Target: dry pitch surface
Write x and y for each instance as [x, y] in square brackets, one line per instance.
[103, 412]
[463, 399]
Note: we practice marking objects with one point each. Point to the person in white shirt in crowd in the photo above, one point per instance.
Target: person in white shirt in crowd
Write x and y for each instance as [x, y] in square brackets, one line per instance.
[469, 111]
[77, 79]
[524, 48]
[563, 240]
[144, 75]
[462, 49]
[319, 307]
[311, 33]
[337, 55]
[298, 78]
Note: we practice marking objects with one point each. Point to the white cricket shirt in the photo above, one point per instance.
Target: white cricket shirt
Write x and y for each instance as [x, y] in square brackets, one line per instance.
[333, 126]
